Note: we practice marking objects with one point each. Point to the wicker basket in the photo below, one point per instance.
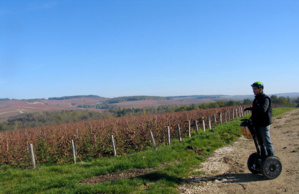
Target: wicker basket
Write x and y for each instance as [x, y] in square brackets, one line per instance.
[246, 132]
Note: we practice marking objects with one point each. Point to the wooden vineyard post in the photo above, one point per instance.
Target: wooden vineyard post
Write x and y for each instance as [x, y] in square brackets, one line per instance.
[32, 156]
[74, 151]
[153, 140]
[209, 120]
[168, 135]
[196, 126]
[236, 113]
[7, 145]
[203, 124]
[189, 128]
[215, 119]
[233, 114]
[179, 133]
[220, 118]
[95, 140]
[113, 145]
[225, 115]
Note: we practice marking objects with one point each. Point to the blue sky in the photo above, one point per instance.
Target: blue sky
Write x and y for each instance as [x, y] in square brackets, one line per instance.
[116, 48]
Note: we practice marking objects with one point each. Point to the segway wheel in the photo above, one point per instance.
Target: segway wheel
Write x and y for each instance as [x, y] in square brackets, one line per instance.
[271, 167]
[251, 163]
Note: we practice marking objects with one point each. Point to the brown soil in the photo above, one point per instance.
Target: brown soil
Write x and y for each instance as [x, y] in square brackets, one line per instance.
[117, 175]
[226, 171]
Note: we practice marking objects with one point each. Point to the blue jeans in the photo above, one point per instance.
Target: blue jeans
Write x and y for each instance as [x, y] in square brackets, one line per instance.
[264, 140]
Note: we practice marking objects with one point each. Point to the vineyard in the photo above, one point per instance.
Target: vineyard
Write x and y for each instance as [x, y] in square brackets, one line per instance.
[92, 139]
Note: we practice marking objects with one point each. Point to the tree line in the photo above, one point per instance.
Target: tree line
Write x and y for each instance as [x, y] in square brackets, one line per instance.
[135, 98]
[72, 97]
[49, 118]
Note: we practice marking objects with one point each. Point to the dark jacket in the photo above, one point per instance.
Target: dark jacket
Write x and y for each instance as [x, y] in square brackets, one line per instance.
[261, 111]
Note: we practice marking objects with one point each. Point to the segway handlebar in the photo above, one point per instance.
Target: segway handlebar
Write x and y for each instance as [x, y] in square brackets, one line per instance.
[248, 108]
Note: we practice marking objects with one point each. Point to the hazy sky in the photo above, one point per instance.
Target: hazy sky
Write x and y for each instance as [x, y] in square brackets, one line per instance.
[116, 48]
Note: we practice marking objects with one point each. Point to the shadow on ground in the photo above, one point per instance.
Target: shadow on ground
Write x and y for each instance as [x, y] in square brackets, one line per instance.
[229, 178]
[156, 176]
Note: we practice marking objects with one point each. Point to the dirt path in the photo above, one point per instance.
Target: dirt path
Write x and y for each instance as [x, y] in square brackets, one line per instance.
[226, 171]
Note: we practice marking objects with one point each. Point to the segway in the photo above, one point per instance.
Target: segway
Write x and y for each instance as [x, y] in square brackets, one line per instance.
[270, 167]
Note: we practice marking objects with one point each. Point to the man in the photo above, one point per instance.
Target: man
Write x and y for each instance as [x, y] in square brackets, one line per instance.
[262, 118]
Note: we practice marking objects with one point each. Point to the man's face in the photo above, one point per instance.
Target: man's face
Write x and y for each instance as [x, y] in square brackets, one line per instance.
[257, 91]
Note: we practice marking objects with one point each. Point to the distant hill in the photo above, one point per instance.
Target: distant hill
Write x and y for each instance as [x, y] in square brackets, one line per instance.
[13, 107]
[72, 97]
[135, 98]
[291, 95]
[197, 96]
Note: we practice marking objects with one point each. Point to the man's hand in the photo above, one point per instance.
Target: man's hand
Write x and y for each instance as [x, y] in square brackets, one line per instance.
[248, 108]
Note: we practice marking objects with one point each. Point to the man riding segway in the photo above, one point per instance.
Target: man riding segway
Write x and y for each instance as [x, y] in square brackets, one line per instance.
[262, 118]
[263, 161]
